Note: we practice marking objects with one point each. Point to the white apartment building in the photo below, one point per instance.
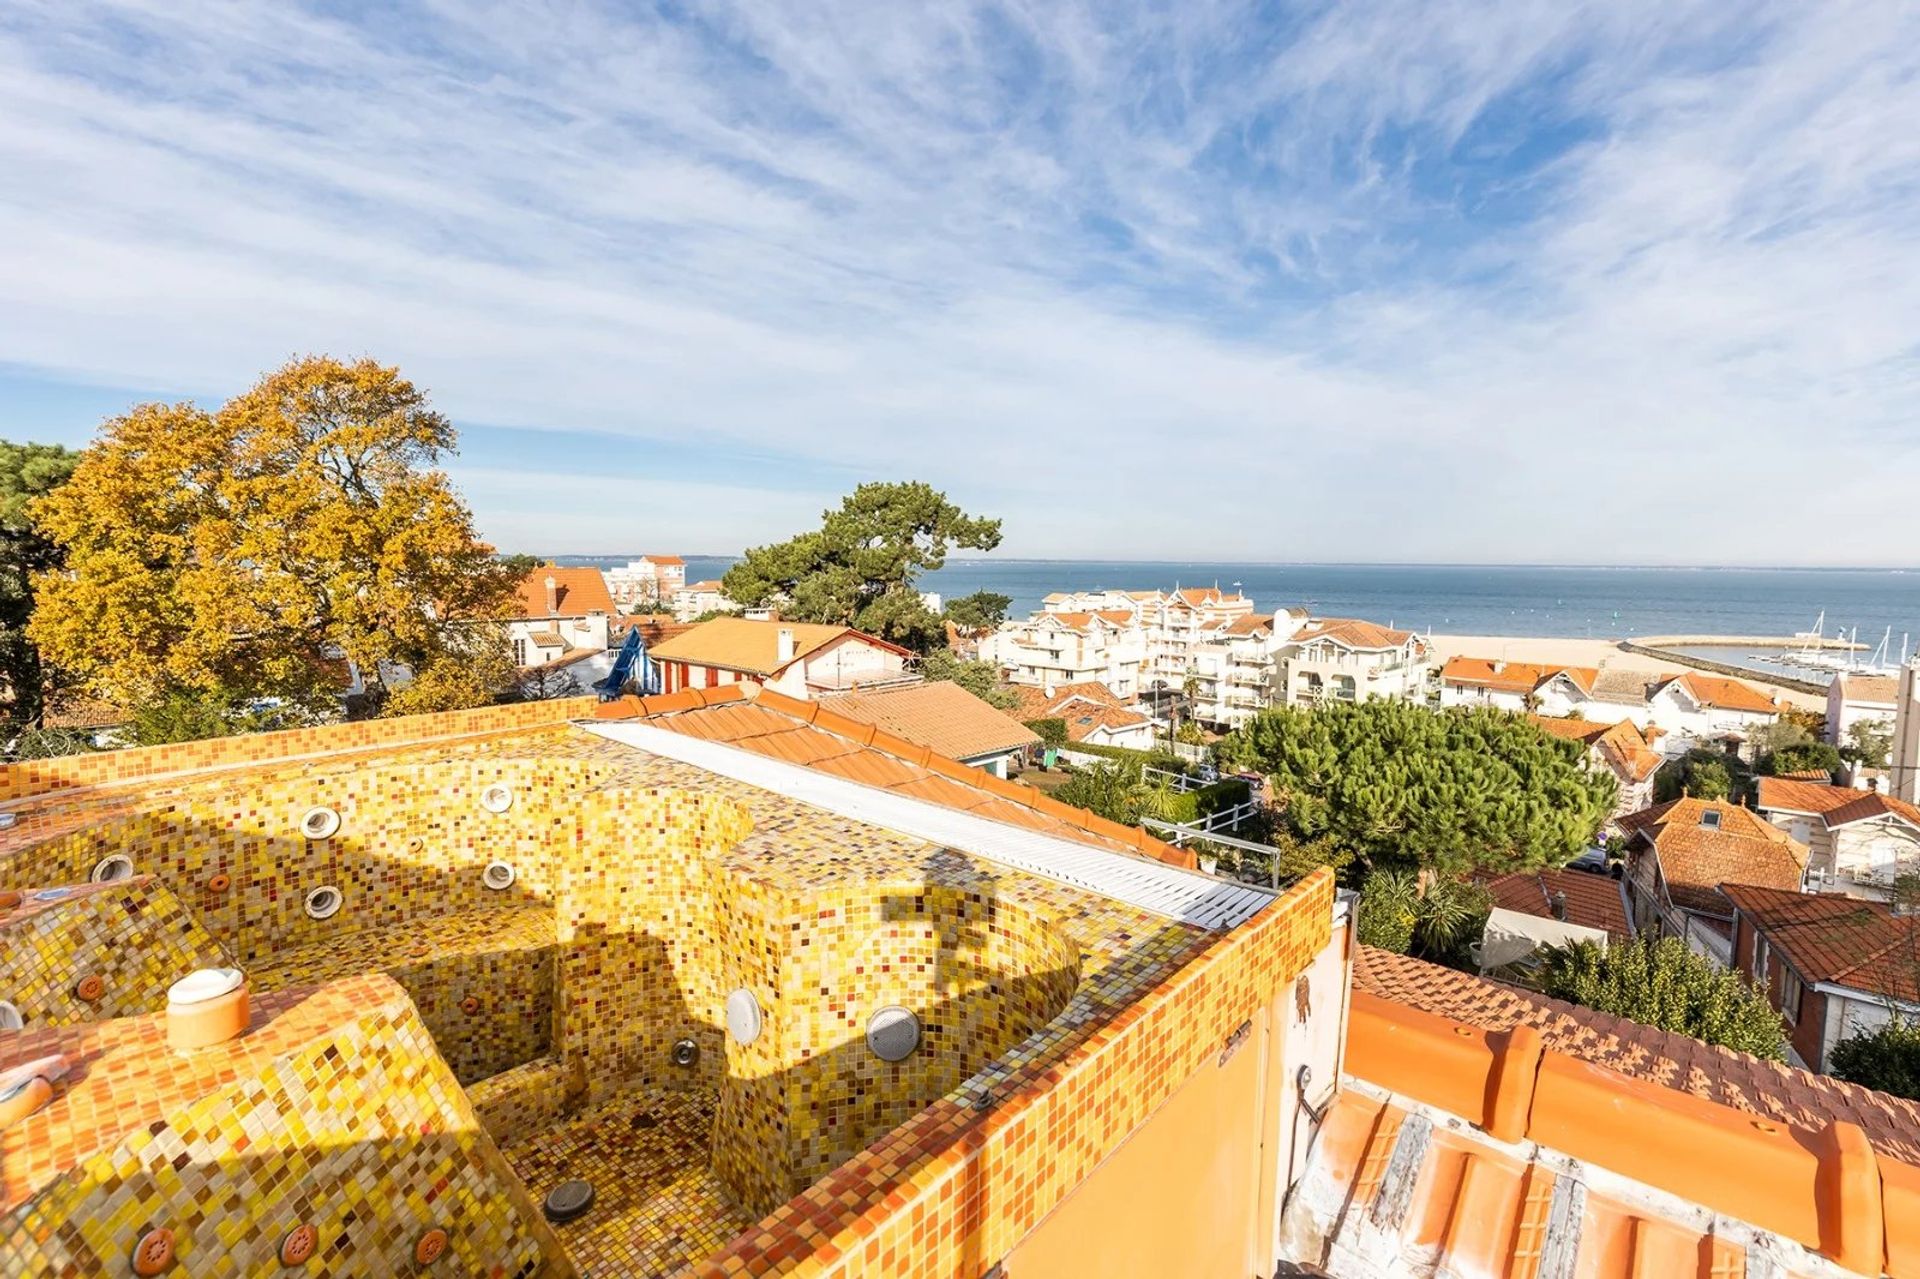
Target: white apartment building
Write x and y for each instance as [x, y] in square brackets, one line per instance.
[1349, 660]
[1687, 709]
[1060, 647]
[648, 581]
[696, 599]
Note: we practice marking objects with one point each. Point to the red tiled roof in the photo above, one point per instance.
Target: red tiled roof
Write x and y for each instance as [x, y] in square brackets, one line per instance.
[1620, 743]
[940, 715]
[753, 647]
[1844, 940]
[1593, 901]
[1695, 859]
[663, 559]
[1728, 694]
[1512, 677]
[1086, 707]
[1872, 804]
[1834, 805]
[1881, 690]
[1783, 794]
[1768, 1089]
[579, 591]
[1353, 632]
[812, 735]
[1251, 624]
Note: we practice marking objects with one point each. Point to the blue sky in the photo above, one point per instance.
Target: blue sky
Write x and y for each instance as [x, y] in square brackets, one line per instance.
[1536, 281]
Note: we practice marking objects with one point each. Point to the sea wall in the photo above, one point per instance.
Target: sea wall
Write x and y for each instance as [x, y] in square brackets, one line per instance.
[1648, 648]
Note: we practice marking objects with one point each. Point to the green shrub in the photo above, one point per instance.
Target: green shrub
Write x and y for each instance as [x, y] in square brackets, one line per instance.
[1052, 731]
[1887, 1059]
[1662, 982]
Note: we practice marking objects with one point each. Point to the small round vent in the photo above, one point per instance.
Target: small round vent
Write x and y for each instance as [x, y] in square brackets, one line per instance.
[324, 902]
[498, 875]
[497, 798]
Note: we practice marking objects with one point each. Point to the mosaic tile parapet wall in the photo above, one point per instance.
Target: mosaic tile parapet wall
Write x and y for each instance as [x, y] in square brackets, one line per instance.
[123, 943]
[412, 844]
[42, 776]
[950, 1192]
[359, 1132]
[981, 974]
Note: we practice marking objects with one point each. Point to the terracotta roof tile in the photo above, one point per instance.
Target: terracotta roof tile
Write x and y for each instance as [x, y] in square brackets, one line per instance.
[1697, 857]
[810, 735]
[941, 716]
[753, 647]
[1672, 1060]
[1845, 940]
[1353, 632]
[1593, 901]
[1728, 694]
[1878, 689]
[577, 591]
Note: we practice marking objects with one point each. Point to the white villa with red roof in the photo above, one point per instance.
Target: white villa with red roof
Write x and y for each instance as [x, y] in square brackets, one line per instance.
[562, 611]
[1687, 708]
[1345, 659]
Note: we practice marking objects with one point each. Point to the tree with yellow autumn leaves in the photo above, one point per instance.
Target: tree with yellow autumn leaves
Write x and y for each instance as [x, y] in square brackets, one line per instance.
[234, 556]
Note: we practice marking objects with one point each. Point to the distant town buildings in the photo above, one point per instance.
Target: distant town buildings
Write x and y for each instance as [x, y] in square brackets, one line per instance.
[649, 581]
[1207, 650]
[697, 599]
[800, 659]
[1687, 709]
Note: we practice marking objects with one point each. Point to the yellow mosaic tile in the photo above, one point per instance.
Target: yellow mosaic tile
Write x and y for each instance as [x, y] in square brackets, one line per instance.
[657, 1207]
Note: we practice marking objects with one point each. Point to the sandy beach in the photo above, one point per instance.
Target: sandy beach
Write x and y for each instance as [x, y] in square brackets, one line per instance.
[1587, 652]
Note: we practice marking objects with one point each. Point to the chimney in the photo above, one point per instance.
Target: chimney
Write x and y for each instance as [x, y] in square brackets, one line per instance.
[786, 646]
[553, 596]
[1500, 664]
[1560, 906]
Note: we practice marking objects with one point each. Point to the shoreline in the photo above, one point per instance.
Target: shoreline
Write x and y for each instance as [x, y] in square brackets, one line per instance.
[1611, 654]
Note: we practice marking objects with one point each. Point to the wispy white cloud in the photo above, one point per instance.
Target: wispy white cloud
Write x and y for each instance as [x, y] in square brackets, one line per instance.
[1537, 281]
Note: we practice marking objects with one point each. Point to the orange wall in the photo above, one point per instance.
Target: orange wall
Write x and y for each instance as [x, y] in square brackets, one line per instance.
[1187, 1193]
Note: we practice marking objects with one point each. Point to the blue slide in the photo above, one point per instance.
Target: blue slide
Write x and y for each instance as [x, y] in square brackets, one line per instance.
[631, 665]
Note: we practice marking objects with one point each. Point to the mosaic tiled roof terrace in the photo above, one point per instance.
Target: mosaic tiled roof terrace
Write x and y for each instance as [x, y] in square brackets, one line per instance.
[573, 1022]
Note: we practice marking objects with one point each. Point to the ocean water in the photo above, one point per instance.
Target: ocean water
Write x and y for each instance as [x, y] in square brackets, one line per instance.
[1600, 603]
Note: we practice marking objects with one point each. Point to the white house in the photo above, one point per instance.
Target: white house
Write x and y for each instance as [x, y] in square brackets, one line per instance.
[1695, 708]
[561, 611]
[1858, 842]
[1856, 699]
[1349, 660]
[648, 581]
[800, 659]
